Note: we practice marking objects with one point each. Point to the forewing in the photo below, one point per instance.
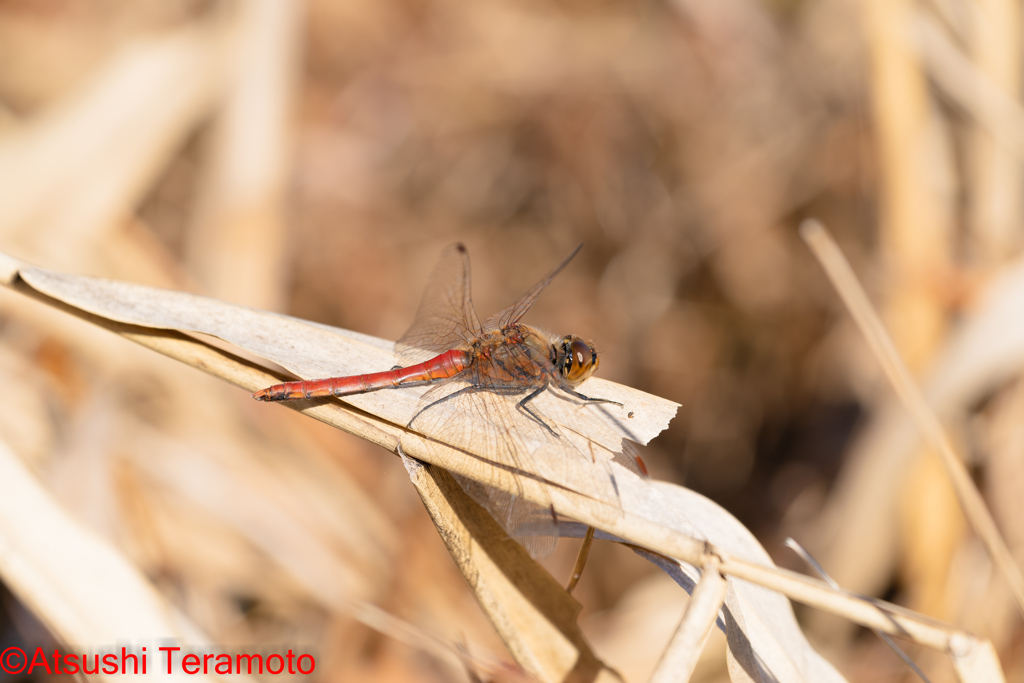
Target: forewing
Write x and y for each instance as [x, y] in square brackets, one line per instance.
[517, 310]
[481, 417]
[445, 318]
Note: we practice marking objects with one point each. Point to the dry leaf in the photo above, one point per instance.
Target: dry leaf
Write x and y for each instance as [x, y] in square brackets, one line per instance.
[663, 517]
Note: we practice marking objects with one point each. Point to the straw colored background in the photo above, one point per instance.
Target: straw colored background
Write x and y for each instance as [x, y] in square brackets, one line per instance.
[314, 158]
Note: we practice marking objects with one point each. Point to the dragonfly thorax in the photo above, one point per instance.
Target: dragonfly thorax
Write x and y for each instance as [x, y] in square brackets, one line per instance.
[575, 359]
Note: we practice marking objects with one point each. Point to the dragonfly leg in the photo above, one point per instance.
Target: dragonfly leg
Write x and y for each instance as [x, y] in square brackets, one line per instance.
[587, 399]
[532, 415]
[464, 390]
[521, 405]
[581, 560]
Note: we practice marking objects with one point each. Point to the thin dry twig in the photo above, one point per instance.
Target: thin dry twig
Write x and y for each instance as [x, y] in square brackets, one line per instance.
[856, 300]
[793, 545]
[861, 609]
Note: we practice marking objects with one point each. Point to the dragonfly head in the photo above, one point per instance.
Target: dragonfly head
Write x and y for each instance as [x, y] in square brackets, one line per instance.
[575, 359]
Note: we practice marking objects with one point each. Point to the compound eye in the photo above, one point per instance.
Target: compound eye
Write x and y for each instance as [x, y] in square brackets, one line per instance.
[582, 361]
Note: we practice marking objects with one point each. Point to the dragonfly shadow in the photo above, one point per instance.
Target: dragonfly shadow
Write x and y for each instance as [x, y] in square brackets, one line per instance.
[515, 471]
[527, 579]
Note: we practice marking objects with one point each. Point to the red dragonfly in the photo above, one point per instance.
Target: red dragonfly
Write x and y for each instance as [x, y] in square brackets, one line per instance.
[485, 381]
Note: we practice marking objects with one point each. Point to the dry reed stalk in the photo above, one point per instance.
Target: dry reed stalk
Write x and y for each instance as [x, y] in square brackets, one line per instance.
[581, 560]
[859, 539]
[995, 172]
[985, 353]
[793, 545]
[236, 247]
[915, 225]
[881, 344]
[916, 234]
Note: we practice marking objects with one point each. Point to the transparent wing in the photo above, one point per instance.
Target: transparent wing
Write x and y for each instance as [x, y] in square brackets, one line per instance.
[517, 310]
[480, 415]
[532, 526]
[445, 318]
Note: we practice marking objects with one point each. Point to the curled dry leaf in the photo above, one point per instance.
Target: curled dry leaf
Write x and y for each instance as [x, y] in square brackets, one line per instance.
[765, 642]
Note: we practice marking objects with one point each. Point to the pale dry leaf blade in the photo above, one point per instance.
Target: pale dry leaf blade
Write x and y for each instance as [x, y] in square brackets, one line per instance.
[10, 267]
[128, 313]
[307, 349]
[82, 589]
[311, 350]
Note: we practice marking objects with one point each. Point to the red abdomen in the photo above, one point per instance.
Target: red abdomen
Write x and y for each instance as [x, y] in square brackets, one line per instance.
[448, 364]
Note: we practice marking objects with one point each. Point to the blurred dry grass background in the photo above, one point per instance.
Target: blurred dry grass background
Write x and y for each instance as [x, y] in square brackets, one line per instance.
[315, 157]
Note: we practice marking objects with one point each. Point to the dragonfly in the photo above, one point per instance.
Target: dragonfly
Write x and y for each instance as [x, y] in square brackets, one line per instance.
[485, 381]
